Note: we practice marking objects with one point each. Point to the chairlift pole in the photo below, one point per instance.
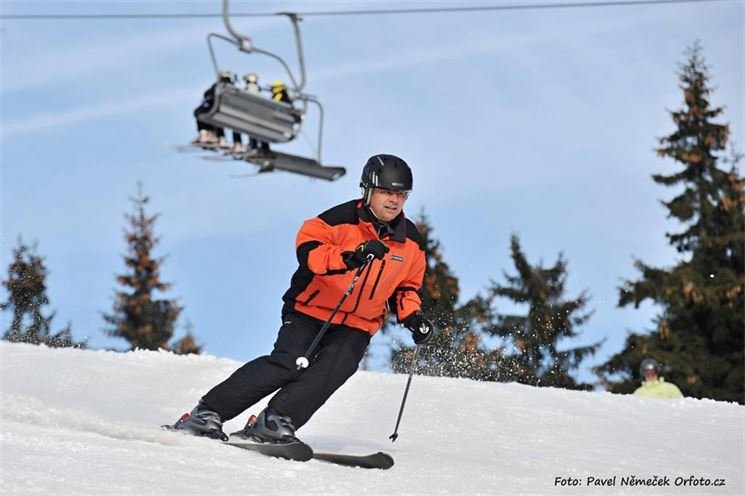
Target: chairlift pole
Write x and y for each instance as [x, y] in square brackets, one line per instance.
[244, 44]
[212, 50]
[320, 126]
[299, 44]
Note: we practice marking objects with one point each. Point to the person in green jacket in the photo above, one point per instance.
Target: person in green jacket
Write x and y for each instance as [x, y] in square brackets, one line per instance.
[653, 385]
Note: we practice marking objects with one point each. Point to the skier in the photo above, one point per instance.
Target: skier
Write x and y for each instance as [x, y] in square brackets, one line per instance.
[369, 237]
[654, 386]
[252, 86]
[208, 134]
[280, 93]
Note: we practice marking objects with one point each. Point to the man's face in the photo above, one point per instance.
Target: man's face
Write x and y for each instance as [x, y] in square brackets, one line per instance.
[650, 375]
[386, 204]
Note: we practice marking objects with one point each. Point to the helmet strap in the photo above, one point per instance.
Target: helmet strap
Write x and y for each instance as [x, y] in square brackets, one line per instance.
[381, 226]
[366, 195]
[374, 217]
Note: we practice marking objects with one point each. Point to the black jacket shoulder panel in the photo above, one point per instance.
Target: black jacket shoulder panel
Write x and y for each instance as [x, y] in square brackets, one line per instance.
[345, 213]
[413, 234]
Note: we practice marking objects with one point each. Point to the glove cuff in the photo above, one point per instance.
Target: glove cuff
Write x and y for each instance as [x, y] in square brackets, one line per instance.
[350, 260]
[413, 321]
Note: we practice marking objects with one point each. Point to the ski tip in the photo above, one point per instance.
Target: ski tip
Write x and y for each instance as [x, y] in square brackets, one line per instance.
[377, 460]
[386, 460]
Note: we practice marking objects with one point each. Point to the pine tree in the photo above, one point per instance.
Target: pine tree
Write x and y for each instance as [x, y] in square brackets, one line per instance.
[138, 317]
[457, 349]
[188, 344]
[551, 320]
[699, 332]
[26, 286]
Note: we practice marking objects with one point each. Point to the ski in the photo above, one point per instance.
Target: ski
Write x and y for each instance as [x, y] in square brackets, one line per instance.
[378, 460]
[222, 157]
[194, 147]
[297, 451]
[302, 452]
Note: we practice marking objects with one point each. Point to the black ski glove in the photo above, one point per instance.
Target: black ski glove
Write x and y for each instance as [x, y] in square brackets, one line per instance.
[421, 328]
[356, 258]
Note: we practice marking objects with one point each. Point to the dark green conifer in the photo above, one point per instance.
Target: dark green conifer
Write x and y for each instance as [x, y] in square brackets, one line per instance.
[188, 344]
[457, 350]
[27, 296]
[699, 331]
[139, 317]
[541, 353]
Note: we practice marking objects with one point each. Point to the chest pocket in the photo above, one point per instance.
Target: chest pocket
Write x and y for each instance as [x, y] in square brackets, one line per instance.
[388, 276]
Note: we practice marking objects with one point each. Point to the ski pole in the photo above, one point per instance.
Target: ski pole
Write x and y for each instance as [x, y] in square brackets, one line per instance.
[303, 361]
[394, 436]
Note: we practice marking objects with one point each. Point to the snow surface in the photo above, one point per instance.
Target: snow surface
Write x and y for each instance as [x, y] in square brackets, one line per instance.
[87, 422]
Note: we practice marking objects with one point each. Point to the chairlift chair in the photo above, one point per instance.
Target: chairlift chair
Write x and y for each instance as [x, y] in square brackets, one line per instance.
[255, 115]
[264, 118]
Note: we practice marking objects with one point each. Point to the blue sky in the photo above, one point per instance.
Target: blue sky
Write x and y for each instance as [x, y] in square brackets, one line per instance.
[536, 122]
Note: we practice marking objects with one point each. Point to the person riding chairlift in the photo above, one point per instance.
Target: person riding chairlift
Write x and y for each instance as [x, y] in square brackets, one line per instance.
[208, 134]
[251, 81]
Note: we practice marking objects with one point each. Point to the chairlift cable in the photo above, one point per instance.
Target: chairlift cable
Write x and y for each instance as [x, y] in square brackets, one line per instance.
[423, 10]
[538, 6]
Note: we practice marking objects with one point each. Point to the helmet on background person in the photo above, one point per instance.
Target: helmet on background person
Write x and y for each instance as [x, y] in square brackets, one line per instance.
[250, 78]
[225, 74]
[385, 172]
[278, 86]
[653, 385]
[649, 364]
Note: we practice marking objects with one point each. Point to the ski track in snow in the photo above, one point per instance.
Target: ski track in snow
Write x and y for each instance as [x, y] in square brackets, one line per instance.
[87, 422]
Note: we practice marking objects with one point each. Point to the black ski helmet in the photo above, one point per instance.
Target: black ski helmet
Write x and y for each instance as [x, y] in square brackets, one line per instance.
[649, 364]
[386, 172]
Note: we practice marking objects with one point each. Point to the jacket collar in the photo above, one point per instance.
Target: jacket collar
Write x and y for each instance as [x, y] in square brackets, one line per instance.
[653, 383]
[395, 228]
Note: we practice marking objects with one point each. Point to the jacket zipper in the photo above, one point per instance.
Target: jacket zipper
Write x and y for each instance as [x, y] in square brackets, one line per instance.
[377, 279]
[359, 295]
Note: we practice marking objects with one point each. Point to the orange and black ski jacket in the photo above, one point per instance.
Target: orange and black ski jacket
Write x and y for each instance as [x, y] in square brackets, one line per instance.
[322, 276]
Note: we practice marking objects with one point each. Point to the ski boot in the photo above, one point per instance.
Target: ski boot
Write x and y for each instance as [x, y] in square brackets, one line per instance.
[201, 421]
[269, 427]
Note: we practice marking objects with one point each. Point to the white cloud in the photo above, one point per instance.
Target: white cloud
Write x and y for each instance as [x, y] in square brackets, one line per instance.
[479, 43]
[67, 63]
[105, 110]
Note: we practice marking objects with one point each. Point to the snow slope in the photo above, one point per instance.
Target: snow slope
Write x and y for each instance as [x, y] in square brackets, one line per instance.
[86, 422]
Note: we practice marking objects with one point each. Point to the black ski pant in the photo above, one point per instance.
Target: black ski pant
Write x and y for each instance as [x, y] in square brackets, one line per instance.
[301, 392]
